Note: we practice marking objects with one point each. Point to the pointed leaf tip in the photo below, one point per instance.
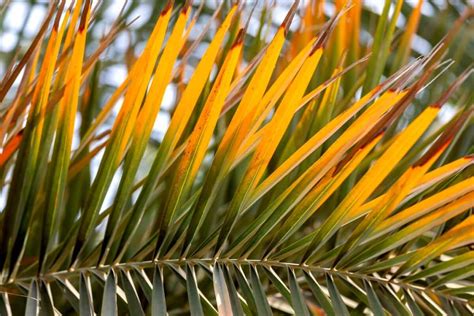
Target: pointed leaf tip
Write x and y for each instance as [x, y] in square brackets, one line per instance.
[452, 88]
[57, 19]
[168, 7]
[85, 16]
[445, 139]
[186, 6]
[239, 38]
[289, 17]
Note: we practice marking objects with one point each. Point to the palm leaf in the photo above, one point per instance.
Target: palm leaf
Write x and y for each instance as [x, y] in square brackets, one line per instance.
[295, 176]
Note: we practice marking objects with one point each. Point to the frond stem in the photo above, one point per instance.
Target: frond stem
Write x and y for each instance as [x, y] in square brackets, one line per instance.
[65, 274]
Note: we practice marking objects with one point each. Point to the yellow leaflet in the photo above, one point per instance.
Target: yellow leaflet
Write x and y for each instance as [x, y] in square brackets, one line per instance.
[444, 213]
[442, 172]
[265, 150]
[257, 85]
[326, 187]
[371, 115]
[65, 132]
[322, 115]
[425, 206]
[389, 159]
[199, 140]
[61, 79]
[395, 195]
[71, 94]
[148, 112]
[239, 127]
[141, 70]
[161, 77]
[460, 235]
[339, 177]
[139, 84]
[251, 100]
[43, 86]
[71, 32]
[403, 186]
[373, 177]
[251, 106]
[68, 42]
[427, 180]
[280, 121]
[190, 26]
[210, 114]
[194, 88]
[412, 231]
[272, 96]
[105, 111]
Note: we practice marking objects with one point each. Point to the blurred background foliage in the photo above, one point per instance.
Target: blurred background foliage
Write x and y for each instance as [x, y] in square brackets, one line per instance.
[20, 19]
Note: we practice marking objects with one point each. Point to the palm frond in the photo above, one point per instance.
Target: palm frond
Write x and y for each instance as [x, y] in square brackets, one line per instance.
[306, 172]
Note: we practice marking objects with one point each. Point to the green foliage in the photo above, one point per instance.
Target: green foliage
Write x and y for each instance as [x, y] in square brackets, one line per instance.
[304, 170]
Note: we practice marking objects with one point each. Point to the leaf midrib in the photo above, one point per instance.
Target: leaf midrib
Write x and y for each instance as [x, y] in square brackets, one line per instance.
[65, 274]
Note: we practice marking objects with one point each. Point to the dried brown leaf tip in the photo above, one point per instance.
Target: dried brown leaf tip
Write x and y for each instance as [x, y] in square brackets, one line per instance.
[186, 6]
[452, 88]
[85, 15]
[168, 7]
[289, 17]
[326, 32]
[446, 138]
[239, 39]
[58, 15]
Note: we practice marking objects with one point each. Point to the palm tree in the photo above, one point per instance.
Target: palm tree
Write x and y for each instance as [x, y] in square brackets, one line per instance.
[304, 169]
